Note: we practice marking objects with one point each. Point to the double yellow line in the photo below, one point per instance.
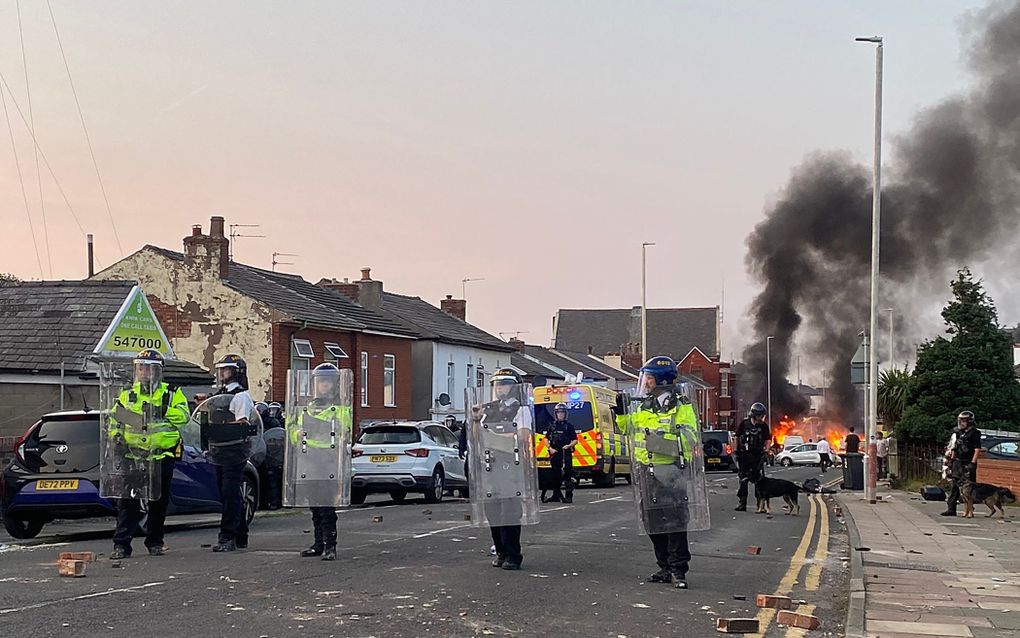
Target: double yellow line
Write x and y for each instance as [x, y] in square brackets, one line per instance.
[813, 580]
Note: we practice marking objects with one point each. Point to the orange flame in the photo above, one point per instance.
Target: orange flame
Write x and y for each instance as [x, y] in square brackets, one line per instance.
[784, 428]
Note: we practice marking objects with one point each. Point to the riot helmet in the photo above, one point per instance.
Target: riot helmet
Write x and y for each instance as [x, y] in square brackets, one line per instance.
[561, 408]
[326, 383]
[757, 410]
[231, 368]
[262, 407]
[657, 371]
[966, 419]
[504, 382]
[148, 369]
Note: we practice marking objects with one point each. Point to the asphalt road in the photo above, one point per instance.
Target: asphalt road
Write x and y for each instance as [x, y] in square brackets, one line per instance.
[424, 571]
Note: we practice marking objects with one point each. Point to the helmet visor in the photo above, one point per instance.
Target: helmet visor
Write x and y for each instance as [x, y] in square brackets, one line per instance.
[646, 383]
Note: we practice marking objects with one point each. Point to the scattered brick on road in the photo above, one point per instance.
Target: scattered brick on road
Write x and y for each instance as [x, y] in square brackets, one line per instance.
[737, 625]
[71, 568]
[802, 621]
[88, 557]
[773, 602]
[753, 550]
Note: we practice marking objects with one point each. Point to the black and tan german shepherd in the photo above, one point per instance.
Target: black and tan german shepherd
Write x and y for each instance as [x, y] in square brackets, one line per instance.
[991, 495]
[766, 488]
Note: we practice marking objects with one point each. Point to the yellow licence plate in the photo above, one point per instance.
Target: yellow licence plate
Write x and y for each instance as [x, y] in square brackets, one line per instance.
[66, 484]
[713, 460]
[387, 458]
[544, 463]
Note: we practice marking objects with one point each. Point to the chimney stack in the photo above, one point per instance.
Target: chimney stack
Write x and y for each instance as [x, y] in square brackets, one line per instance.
[517, 344]
[370, 291]
[346, 287]
[92, 261]
[209, 254]
[454, 307]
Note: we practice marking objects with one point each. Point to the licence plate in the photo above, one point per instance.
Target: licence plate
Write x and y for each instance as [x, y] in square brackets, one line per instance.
[57, 485]
[387, 458]
[714, 460]
[542, 463]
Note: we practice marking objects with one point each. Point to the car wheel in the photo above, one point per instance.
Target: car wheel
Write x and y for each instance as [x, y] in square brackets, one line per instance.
[22, 529]
[434, 488]
[627, 478]
[358, 496]
[398, 495]
[249, 497]
[786, 462]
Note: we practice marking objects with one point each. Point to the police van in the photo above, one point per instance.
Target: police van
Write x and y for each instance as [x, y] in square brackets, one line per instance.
[601, 452]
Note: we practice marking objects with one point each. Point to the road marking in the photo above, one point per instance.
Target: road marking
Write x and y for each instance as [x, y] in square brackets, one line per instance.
[765, 616]
[556, 509]
[814, 575]
[440, 531]
[603, 500]
[797, 632]
[82, 597]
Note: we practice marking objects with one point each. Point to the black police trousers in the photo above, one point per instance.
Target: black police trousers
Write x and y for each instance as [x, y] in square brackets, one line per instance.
[672, 553]
[962, 475]
[233, 522]
[750, 467]
[507, 539]
[324, 524]
[129, 511]
[274, 486]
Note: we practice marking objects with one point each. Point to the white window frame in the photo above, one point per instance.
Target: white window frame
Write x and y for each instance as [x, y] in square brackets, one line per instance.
[390, 387]
[334, 352]
[469, 380]
[298, 361]
[724, 384]
[451, 378]
[364, 379]
[302, 348]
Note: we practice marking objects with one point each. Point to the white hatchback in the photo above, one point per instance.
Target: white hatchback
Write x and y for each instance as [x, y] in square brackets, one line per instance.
[396, 458]
[805, 454]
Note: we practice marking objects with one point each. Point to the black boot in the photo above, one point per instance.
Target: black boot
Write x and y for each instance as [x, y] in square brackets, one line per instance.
[498, 561]
[680, 581]
[948, 513]
[741, 508]
[120, 553]
[329, 553]
[661, 576]
[314, 550]
[225, 546]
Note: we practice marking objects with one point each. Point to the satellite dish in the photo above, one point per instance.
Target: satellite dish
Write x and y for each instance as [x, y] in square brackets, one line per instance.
[444, 399]
[539, 381]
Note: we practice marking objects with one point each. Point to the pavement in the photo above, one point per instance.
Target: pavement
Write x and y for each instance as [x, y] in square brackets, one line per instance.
[916, 573]
[423, 570]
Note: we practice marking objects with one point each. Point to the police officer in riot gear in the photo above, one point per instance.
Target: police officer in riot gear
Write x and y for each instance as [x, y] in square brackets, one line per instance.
[231, 457]
[753, 435]
[325, 407]
[165, 410]
[562, 438]
[963, 459]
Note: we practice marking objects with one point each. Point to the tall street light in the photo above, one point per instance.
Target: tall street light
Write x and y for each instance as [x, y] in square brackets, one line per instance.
[890, 311]
[768, 375]
[644, 302]
[871, 479]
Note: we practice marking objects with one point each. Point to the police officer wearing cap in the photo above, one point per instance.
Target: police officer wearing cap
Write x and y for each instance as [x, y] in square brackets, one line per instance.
[324, 407]
[753, 435]
[166, 409]
[963, 459]
[230, 458]
[562, 438]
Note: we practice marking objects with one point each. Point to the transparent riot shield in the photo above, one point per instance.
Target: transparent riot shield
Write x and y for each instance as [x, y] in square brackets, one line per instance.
[317, 456]
[667, 461]
[128, 422]
[225, 438]
[501, 458]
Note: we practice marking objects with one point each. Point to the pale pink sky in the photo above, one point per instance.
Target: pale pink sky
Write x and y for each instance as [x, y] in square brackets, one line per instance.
[529, 143]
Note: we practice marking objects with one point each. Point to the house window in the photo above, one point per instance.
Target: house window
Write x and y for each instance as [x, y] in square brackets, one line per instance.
[451, 378]
[724, 384]
[300, 359]
[389, 380]
[470, 378]
[364, 379]
[334, 353]
[480, 377]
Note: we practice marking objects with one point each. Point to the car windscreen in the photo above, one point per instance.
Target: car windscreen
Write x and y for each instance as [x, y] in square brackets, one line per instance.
[579, 415]
[390, 434]
[63, 446]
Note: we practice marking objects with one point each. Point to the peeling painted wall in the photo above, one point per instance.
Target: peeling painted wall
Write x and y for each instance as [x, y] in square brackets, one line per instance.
[203, 318]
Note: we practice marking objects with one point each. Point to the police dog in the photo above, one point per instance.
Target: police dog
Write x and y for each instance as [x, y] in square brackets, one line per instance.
[766, 488]
[991, 495]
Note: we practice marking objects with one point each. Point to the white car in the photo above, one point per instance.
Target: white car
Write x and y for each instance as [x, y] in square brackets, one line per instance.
[804, 454]
[399, 457]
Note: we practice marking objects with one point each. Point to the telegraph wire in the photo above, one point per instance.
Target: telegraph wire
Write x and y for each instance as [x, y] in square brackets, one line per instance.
[31, 119]
[21, 180]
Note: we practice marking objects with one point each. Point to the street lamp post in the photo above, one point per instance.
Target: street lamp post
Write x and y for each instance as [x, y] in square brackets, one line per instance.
[871, 469]
[644, 302]
[890, 311]
[768, 375]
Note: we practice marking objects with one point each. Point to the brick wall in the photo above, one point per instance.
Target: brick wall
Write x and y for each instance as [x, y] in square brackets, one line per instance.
[1000, 472]
[353, 344]
[174, 323]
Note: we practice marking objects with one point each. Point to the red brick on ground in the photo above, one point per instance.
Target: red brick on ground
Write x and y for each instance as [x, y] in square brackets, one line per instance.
[737, 625]
[802, 621]
[71, 568]
[773, 602]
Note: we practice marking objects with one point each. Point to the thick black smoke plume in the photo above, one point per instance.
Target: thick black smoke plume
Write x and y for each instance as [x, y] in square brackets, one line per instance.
[950, 198]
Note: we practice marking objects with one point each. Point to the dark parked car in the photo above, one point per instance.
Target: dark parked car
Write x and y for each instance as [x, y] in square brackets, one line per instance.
[55, 474]
[718, 448]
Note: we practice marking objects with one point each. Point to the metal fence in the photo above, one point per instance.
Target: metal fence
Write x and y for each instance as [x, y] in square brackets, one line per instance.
[919, 462]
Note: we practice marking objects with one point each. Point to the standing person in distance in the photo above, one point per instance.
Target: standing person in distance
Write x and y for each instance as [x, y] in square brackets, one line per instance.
[562, 438]
[852, 442]
[963, 459]
[753, 435]
[824, 454]
[165, 410]
[231, 457]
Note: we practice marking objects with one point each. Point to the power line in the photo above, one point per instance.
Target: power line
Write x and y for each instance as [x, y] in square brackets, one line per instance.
[84, 128]
[24, 195]
[31, 119]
